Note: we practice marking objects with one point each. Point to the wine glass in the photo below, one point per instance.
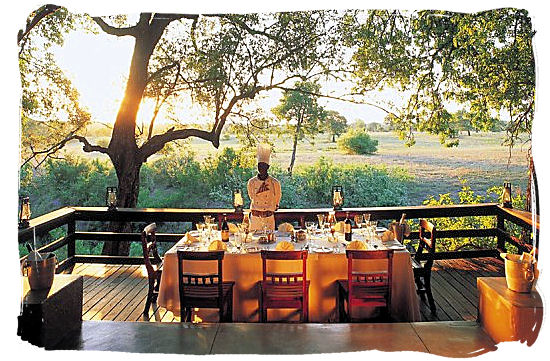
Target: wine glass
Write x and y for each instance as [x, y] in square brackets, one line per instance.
[358, 219]
[321, 219]
[200, 228]
[310, 227]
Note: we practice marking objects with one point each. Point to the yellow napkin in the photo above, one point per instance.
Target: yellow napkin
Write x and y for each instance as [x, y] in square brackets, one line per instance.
[188, 239]
[285, 227]
[339, 227]
[284, 246]
[356, 245]
[233, 228]
[388, 236]
[217, 246]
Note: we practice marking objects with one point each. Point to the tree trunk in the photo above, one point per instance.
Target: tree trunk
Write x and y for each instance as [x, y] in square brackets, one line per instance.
[123, 150]
[294, 146]
[334, 138]
[128, 190]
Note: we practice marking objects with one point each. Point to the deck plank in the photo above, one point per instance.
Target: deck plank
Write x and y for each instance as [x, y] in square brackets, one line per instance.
[115, 295]
[118, 292]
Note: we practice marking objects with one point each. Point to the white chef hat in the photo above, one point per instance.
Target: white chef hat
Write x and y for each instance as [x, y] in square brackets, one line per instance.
[264, 153]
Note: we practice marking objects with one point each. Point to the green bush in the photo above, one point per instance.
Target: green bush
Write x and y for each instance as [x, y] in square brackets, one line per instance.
[467, 196]
[357, 142]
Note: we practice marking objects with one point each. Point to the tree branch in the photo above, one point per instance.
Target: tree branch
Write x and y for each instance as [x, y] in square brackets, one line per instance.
[111, 30]
[159, 71]
[87, 147]
[157, 142]
[45, 11]
[56, 147]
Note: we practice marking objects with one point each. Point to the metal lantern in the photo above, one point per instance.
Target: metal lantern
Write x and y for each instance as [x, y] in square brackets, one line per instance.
[238, 200]
[110, 198]
[24, 212]
[337, 197]
[507, 195]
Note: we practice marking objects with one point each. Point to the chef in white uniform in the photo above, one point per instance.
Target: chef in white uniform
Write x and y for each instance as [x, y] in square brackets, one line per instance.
[264, 192]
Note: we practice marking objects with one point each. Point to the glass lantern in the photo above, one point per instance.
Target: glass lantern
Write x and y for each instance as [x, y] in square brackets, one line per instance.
[337, 197]
[111, 198]
[24, 212]
[238, 200]
[507, 195]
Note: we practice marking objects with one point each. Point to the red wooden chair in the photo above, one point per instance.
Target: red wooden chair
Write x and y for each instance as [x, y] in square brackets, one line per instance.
[369, 289]
[284, 290]
[204, 290]
[154, 269]
[423, 261]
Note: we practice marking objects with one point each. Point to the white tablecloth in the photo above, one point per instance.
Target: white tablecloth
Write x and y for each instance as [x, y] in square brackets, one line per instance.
[323, 269]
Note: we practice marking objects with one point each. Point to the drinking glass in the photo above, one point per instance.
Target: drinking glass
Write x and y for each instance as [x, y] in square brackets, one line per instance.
[321, 219]
[358, 219]
[310, 227]
[200, 228]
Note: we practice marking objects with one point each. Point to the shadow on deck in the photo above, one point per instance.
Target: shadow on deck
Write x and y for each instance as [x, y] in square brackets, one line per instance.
[117, 292]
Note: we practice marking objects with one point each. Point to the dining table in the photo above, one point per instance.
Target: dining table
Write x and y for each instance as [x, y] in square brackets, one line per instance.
[326, 263]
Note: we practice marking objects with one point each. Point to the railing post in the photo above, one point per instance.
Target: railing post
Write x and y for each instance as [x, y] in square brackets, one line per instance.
[501, 246]
[71, 246]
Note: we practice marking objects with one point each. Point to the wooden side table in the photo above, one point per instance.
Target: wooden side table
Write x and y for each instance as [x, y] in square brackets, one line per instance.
[48, 315]
[507, 315]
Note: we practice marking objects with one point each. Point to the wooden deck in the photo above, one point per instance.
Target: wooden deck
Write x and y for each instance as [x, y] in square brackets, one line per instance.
[117, 292]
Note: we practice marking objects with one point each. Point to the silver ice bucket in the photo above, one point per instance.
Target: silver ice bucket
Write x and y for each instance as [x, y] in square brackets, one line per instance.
[40, 271]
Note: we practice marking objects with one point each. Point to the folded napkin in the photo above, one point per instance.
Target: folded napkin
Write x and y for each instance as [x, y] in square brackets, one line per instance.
[388, 236]
[286, 227]
[217, 246]
[339, 226]
[356, 245]
[284, 246]
[188, 239]
[233, 228]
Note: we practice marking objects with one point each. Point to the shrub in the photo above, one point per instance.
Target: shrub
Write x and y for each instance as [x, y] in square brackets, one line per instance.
[357, 142]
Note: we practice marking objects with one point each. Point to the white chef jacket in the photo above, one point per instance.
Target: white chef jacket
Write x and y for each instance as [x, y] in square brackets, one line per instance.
[264, 195]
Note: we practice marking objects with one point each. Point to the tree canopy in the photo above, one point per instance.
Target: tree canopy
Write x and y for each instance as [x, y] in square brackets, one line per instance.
[303, 115]
[436, 59]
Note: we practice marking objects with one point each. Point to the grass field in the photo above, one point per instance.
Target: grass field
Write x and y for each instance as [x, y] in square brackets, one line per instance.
[480, 158]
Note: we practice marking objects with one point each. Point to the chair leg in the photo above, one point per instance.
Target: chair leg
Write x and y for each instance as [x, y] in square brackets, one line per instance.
[188, 314]
[305, 307]
[338, 305]
[261, 315]
[148, 301]
[428, 286]
[230, 307]
[420, 288]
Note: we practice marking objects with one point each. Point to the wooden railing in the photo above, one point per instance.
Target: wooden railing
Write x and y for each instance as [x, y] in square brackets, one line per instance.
[71, 217]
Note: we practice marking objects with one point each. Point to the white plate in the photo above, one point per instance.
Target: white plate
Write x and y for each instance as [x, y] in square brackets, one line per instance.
[321, 250]
[381, 229]
[252, 250]
[396, 247]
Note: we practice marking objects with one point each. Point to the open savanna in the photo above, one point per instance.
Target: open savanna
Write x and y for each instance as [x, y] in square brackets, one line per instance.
[480, 159]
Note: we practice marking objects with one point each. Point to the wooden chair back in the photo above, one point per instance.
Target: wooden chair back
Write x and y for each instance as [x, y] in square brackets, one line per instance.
[362, 281]
[193, 285]
[284, 278]
[149, 248]
[427, 241]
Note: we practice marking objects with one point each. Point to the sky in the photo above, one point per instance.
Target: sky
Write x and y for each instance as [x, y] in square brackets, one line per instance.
[11, 95]
[98, 65]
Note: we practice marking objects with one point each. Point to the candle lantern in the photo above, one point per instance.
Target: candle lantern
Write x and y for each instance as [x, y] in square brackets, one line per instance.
[110, 198]
[507, 195]
[238, 200]
[337, 197]
[24, 212]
